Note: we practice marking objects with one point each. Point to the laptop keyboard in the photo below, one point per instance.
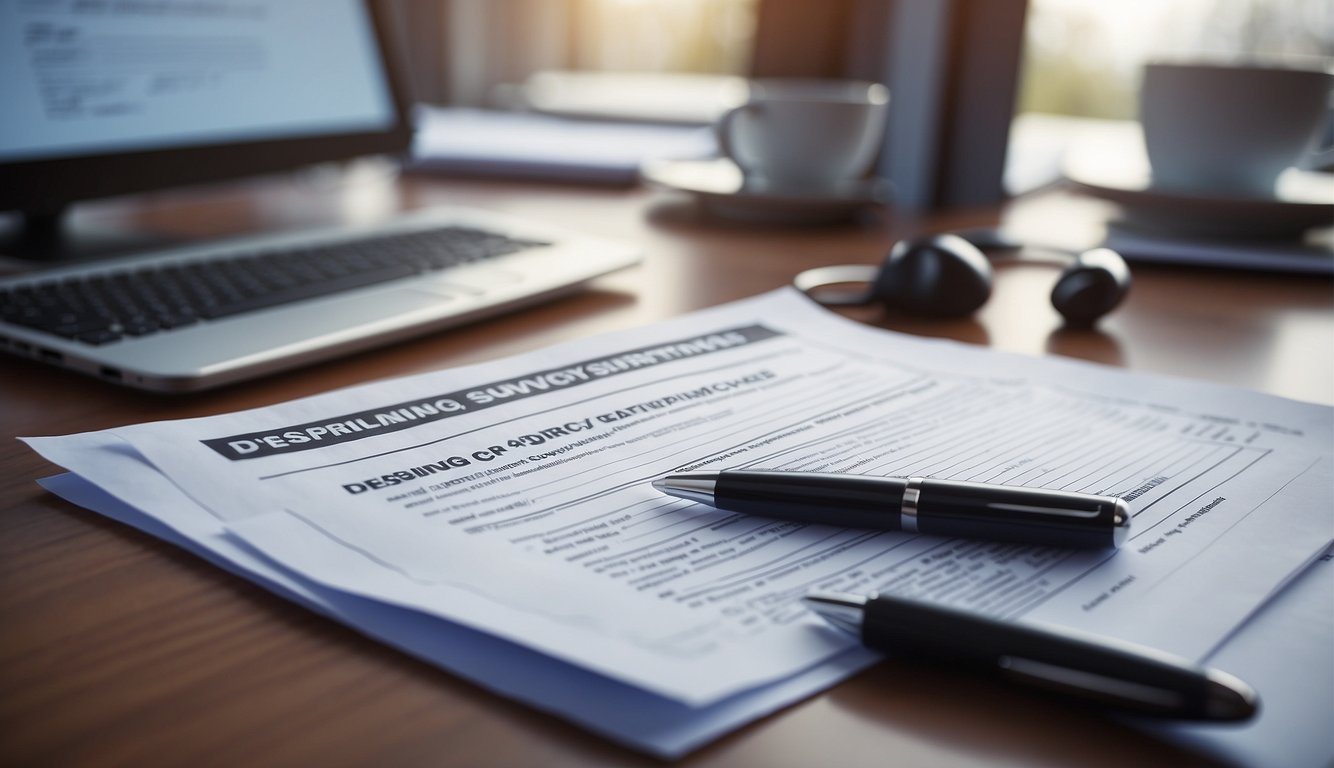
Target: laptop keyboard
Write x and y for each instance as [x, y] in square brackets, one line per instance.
[106, 307]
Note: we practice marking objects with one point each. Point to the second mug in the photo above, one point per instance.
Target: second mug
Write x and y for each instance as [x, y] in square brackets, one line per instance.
[1229, 130]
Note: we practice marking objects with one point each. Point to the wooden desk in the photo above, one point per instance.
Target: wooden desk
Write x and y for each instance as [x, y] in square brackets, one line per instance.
[118, 649]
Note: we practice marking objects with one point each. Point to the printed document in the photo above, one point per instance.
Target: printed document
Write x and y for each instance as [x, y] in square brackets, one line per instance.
[514, 498]
[1296, 684]
[621, 712]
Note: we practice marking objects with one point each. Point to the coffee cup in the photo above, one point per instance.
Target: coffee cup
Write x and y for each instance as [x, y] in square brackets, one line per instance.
[1228, 130]
[806, 132]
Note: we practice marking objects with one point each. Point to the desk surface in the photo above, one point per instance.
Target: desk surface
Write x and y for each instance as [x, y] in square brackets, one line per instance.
[116, 648]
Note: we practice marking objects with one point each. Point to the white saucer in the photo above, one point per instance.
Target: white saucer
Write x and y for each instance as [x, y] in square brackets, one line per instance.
[1303, 200]
[724, 191]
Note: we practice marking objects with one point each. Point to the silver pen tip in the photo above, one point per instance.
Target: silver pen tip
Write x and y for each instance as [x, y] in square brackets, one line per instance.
[842, 609]
[695, 486]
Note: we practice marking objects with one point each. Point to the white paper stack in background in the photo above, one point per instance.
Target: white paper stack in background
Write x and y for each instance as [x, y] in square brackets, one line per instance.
[523, 145]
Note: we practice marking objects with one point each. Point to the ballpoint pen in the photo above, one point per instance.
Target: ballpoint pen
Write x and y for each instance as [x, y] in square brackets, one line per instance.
[912, 504]
[1089, 669]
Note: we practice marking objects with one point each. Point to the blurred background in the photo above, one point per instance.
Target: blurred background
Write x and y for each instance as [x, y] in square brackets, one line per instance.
[1081, 57]
[1053, 72]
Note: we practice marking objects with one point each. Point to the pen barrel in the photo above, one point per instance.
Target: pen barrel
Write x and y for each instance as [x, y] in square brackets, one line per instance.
[1029, 515]
[854, 501]
[1081, 667]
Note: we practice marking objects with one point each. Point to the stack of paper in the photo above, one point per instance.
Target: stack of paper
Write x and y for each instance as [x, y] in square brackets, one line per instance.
[497, 520]
[524, 145]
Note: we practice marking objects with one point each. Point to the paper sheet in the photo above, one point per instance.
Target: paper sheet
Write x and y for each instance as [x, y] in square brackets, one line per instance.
[534, 146]
[620, 712]
[513, 497]
[1287, 652]
[1290, 730]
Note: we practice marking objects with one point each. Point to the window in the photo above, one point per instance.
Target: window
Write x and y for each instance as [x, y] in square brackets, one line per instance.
[700, 36]
[1082, 60]
[476, 52]
[1083, 57]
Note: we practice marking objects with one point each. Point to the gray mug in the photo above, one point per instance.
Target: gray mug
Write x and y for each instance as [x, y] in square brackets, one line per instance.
[1228, 130]
[806, 132]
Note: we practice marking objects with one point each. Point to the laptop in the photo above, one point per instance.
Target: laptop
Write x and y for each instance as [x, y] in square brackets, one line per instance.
[109, 99]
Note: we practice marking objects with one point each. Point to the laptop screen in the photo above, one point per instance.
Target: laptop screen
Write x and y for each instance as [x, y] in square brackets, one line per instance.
[100, 98]
[97, 76]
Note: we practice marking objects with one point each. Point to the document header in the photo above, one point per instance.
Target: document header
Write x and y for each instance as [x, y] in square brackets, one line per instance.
[399, 416]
